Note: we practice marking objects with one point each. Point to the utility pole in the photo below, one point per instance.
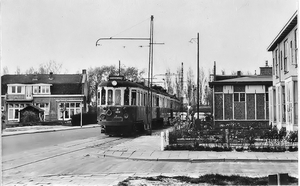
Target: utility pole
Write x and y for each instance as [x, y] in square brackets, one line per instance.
[150, 74]
[197, 76]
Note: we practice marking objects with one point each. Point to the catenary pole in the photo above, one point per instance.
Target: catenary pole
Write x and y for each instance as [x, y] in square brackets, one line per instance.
[198, 76]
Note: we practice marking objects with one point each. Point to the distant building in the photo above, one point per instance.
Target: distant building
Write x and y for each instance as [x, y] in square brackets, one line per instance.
[241, 98]
[59, 95]
[284, 92]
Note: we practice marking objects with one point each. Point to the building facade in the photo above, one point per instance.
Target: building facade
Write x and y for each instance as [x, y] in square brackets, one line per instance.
[59, 95]
[284, 90]
[242, 99]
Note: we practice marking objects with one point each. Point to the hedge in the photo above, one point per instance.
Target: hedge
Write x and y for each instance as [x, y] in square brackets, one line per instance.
[87, 118]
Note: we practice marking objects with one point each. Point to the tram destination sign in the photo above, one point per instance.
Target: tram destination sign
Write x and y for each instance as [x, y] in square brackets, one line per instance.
[116, 77]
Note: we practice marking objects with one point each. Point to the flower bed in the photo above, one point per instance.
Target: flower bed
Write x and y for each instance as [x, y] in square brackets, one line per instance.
[228, 139]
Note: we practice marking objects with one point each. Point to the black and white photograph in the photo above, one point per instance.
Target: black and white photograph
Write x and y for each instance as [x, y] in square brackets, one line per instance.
[149, 92]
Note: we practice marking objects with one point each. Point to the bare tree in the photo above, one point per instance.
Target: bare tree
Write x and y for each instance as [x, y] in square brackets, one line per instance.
[223, 72]
[168, 81]
[18, 70]
[176, 84]
[31, 70]
[51, 66]
[46, 68]
[189, 92]
[5, 70]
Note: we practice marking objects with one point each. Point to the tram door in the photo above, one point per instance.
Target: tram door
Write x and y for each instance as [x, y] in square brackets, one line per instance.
[157, 109]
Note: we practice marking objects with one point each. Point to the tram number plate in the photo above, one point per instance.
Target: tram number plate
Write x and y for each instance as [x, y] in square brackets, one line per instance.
[118, 112]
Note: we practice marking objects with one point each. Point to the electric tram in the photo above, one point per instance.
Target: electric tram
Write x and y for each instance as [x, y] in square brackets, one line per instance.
[124, 107]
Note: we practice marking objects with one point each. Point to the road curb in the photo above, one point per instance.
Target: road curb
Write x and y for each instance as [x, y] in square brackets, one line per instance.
[49, 130]
[203, 160]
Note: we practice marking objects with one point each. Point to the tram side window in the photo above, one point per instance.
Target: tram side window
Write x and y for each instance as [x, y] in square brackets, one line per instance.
[138, 98]
[126, 96]
[110, 97]
[157, 101]
[117, 97]
[133, 97]
[103, 96]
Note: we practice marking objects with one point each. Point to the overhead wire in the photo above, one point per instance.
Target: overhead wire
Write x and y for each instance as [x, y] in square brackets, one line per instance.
[131, 27]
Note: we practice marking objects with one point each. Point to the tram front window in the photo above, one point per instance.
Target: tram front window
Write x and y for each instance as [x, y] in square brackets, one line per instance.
[133, 97]
[110, 97]
[117, 97]
[126, 96]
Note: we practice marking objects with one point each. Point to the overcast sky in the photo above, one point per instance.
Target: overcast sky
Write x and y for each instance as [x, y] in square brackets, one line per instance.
[234, 33]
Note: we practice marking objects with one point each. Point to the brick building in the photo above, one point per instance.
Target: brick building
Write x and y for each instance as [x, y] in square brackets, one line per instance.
[241, 98]
[59, 95]
[284, 91]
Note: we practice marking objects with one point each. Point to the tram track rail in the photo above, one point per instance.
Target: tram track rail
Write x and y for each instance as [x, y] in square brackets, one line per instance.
[39, 155]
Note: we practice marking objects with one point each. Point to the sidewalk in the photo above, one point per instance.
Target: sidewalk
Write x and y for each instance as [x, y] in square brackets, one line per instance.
[148, 148]
[40, 129]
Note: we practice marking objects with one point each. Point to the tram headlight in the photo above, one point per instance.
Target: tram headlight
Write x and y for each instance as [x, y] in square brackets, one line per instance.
[108, 112]
[126, 116]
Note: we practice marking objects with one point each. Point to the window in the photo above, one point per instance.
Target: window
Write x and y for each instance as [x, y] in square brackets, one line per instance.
[15, 90]
[239, 93]
[103, 96]
[276, 63]
[138, 98]
[273, 69]
[68, 109]
[291, 52]
[281, 56]
[98, 98]
[41, 89]
[110, 97]
[295, 94]
[133, 97]
[283, 104]
[14, 111]
[285, 56]
[242, 96]
[296, 47]
[117, 97]
[126, 96]
[218, 88]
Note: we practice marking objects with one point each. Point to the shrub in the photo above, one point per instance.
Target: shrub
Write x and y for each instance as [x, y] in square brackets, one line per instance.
[30, 117]
[87, 118]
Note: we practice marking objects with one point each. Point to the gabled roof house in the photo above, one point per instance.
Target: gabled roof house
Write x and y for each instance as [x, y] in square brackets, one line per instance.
[59, 95]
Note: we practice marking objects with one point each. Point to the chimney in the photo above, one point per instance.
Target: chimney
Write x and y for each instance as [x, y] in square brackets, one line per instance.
[267, 63]
[239, 73]
[51, 76]
[83, 71]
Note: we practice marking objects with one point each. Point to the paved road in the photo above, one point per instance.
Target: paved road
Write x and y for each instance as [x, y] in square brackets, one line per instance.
[81, 162]
[25, 142]
[86, 167]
